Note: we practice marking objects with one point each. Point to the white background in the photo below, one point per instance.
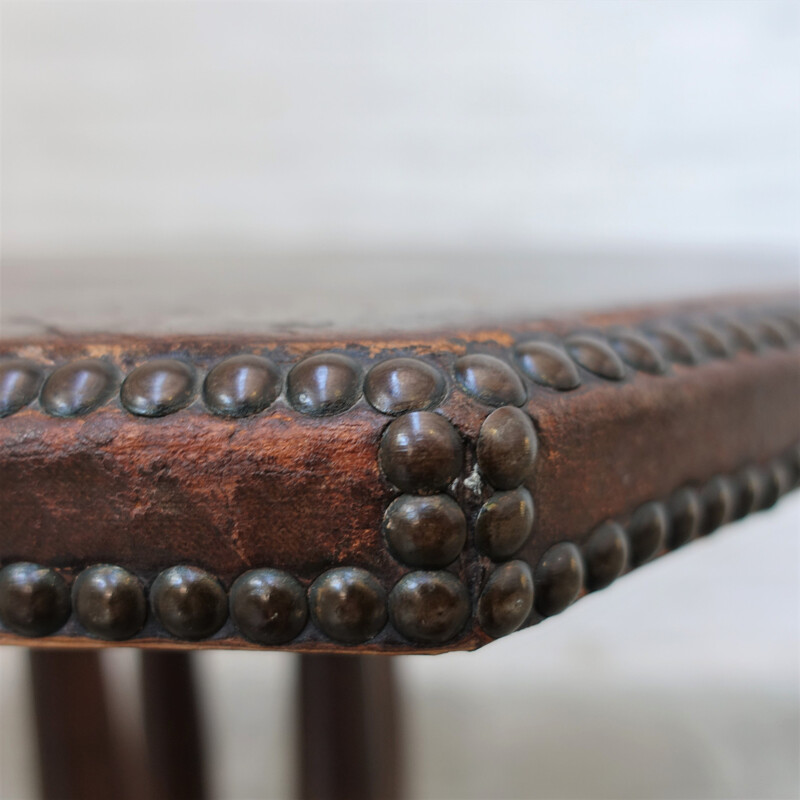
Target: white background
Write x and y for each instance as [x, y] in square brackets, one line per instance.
[162, 126]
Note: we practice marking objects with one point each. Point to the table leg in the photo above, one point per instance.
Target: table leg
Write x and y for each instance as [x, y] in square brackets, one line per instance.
[172, 726]
[349, 729]
[79, 757]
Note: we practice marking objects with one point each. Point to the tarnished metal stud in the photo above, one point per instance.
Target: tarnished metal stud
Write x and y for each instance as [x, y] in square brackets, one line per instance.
[647, 532]
[558, 579]
[109, 602]
[504, 524]
[740, 335]
[748, 491]
[489, 380]
[398, 385]
[427, 531]
[421, 451]
[713, 342]
[790, 318]
[159, 387]
[268, 606]
[683, 517]
[783, 475]
[776, 482]
[19, 385]
[769, 493]
[638, 352]
[507, 599]
[241, 386]
[717, 503]
[79, 387]
[189, 602]
[774, 333]
[506, 447]
[792, 460]
[597, 356]
[548, 365]
[429, 607]
[605, 555]
[348, 604]
[675, 346]
[324, 384]
[34, 600]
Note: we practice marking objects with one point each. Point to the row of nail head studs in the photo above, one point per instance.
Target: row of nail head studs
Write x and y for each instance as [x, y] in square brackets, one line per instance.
[268, 606]
[430, 530]
[349, 604]
[329, 383]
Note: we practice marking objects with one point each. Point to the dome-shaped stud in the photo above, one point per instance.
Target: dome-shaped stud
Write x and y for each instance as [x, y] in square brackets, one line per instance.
[740, 335]
[558, 579]
[348, 604]
[637, 352]
[421, 451]
[241, 386]
[748, 491]
[675, 345]
[783, 475]
[398, 385]
[507, 599]
[268, 606]
[507, 447]
[647, 532]
[79, 387]
[717, 504]
[770, 488]
[605, 555]
[683, 517]
[34, 600]
[19, 385]
[489, 380]
[159, 387]
[712, 341]
[429, 607]
[774, 333]
[776, 482]
[548, 365]
[109, 602]
[792, 460]
[189, 602]
[597, 356]
[504, 524]
[790, 318]
[427, 531]
[324, 384]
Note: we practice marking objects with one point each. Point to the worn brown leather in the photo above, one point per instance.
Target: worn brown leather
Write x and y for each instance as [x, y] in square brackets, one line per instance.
[303, 494]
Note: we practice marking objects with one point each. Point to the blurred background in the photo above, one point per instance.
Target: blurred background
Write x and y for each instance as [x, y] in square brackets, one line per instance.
[341, 163]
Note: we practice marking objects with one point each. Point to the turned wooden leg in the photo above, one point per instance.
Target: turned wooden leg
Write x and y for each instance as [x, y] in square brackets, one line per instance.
[172, 725]
[349, 731]
[79, 756]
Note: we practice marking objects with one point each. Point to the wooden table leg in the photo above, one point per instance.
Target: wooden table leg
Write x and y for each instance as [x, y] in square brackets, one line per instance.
[172, 725]
[349, 729]
[79, 756]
